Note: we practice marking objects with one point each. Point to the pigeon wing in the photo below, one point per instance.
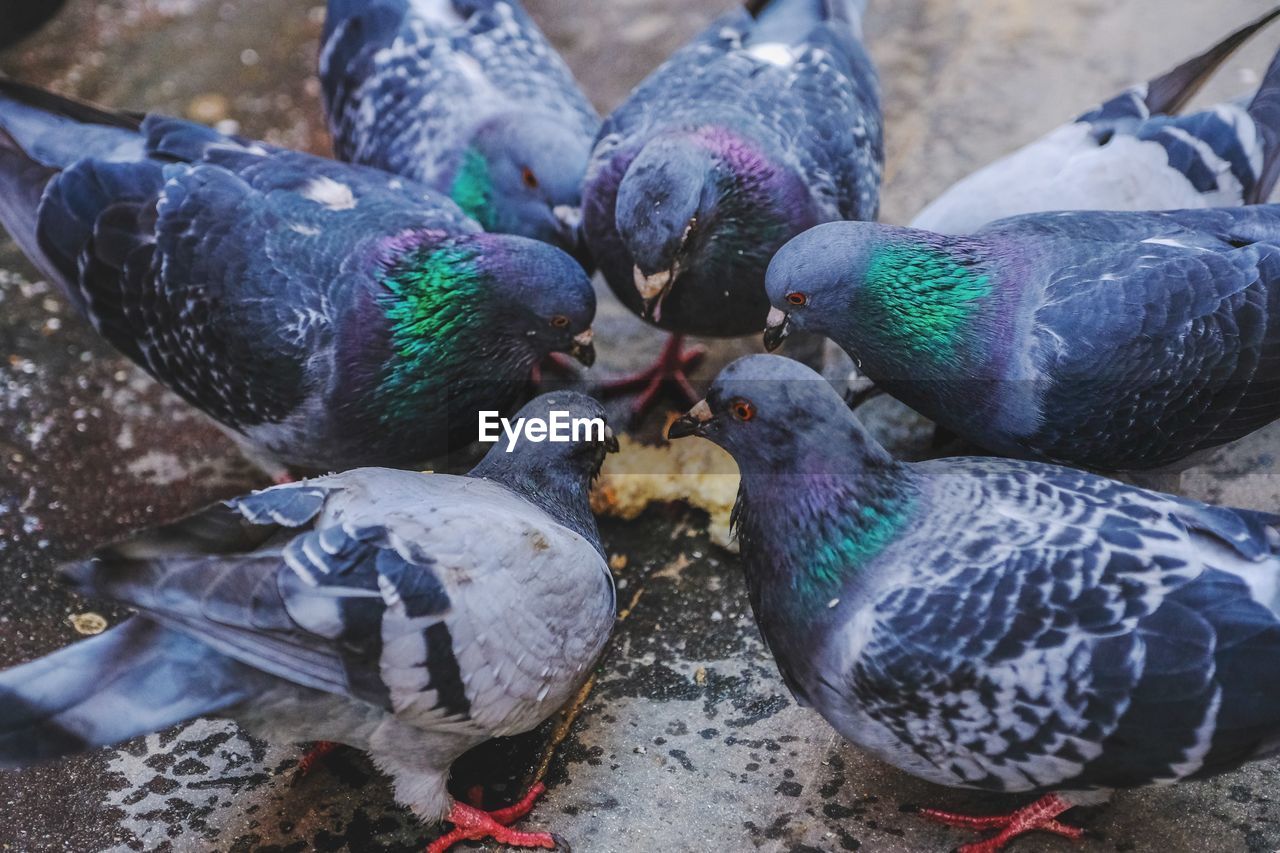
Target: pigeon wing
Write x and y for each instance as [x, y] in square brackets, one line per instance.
[408, 596]
[1082, 634]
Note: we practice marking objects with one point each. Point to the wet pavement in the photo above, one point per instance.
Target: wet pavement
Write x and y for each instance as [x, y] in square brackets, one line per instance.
[689, 740]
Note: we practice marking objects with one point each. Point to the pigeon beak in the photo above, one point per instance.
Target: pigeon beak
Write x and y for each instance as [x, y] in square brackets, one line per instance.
[693, 423]
[650, 287]
[653, 289]
[610, 440]
[583, 349]
[567, 234]
[776, 328]
[569, 217]
[568, 225]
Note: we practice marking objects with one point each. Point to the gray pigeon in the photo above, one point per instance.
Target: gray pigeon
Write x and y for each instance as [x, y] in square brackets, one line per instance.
[1134, 152]
[409, 615]
[996, 624]
[467, 96]
[328, 316]
[767, 123]
[1110, 340]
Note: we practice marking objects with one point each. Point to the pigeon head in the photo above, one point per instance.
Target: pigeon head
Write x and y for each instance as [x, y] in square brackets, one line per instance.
[556, 475]
[521, 295]
[539, 296]
[914, 296]
[812, 280]
[466, 318]
[819, 496]
[704, 202]
[777, 417]
[522, 175]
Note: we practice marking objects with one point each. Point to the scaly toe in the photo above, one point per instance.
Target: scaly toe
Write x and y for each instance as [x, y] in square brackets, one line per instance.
[964, 821]
[514, 812]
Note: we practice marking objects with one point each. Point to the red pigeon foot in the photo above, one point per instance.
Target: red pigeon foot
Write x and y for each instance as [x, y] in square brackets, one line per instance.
[1041, 815]
[472, 824]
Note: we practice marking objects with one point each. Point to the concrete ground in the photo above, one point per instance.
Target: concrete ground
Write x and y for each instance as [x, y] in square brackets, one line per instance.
[689, 741]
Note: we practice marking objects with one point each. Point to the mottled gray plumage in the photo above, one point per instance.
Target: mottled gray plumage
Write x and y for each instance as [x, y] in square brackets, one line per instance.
[467, 96]
[327, 315]
[409, 615]
[1109, 340]
[1134, 152]
[767, 123]
[997, 624]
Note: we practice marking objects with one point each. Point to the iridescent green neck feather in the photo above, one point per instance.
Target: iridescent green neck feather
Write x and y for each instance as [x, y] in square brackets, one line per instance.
[472, 187]
[843, 543]
[921, 301]
[435, 306]
[818, 537]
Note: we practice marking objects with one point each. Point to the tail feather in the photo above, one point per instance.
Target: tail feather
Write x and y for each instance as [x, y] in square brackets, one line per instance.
[44, 136]
[22, 183]
[1170, 92]
[56, 131]
[134, 679]
[1265, 111]
[61, 105]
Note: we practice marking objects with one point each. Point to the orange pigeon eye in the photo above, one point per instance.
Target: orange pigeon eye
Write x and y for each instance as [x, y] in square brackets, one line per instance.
[559, 321]
[742, 410]
[530, 179]
[797, 298]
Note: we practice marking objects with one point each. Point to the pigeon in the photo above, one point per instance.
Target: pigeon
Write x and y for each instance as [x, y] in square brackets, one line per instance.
[1113, 341]
[23, 17]
[468, 97]
[409, 615]
[329, 316]
[766, 124]
[1134, 152]
[996, 624]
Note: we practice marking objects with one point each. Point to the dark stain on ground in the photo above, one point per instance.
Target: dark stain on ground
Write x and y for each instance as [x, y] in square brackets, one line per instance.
[683, 757]
[757, 710]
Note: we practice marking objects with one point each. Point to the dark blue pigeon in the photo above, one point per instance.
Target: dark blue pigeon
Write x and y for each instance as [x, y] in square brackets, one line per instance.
[996, 624]
[467, 96]
[327, 315]
[409, 615]
[1109, 340]
[1134, 152]
[765, 125]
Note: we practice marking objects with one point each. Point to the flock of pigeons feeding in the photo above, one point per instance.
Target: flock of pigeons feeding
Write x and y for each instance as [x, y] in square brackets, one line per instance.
[1003, 623]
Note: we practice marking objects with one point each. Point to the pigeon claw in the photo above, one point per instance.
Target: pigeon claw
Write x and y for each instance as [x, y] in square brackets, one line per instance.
[669, 371]
[472, 824]
[312, 758]
[515, 811]
[1042, 815]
